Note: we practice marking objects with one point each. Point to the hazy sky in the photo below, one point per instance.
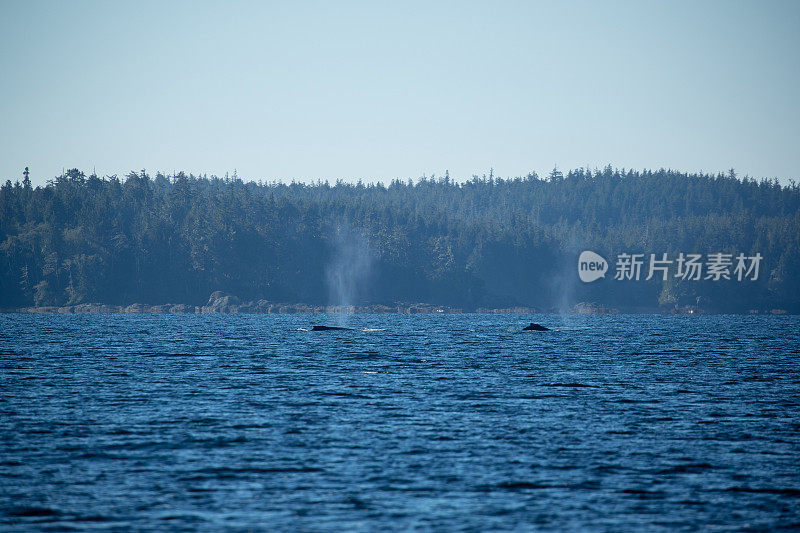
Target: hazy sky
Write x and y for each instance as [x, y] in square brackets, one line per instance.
[378, 90]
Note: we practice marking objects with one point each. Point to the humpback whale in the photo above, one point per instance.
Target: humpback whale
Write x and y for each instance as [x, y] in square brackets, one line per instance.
[535, 327]
[330, 328]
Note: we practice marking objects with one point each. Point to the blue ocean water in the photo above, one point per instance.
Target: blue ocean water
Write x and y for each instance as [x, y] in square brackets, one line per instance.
[454, 422]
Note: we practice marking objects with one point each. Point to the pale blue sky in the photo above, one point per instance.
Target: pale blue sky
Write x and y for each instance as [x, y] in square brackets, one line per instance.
[378, 90]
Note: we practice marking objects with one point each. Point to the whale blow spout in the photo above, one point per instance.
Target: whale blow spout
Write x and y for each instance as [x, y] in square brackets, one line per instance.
[330, 328]
[535, 327]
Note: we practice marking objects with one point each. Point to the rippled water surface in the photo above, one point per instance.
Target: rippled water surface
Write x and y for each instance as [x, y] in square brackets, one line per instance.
[128, 422]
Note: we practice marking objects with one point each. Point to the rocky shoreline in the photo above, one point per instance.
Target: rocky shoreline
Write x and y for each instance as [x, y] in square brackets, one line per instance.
[222, 303]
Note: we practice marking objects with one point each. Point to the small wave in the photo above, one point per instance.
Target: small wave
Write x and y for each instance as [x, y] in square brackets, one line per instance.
[92, 518]
[643, 494]
[32, 512]
[166, 354]
[685, 469]
[339, 394]
[573, 385]
[603, 469]
[523, 485]
[692, 502]
[356, 502]
[795, 493]
[101, 456]
[204, 474]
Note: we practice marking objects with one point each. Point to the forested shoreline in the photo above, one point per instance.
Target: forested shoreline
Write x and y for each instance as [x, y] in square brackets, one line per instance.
[479, 244]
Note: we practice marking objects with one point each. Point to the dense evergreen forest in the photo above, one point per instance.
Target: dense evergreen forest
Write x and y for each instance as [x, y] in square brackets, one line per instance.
[486, 242]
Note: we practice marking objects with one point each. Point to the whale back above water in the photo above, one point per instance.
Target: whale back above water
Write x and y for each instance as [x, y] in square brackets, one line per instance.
[535, 327]
[330, 328]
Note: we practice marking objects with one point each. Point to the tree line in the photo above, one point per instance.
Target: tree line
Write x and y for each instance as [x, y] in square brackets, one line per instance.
[484, 242]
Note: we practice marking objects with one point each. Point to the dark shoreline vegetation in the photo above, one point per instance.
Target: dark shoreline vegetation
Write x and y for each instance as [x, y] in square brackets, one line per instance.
[91, 244]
